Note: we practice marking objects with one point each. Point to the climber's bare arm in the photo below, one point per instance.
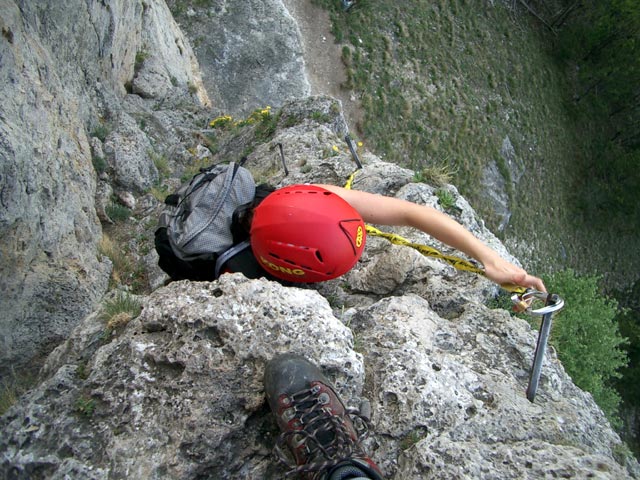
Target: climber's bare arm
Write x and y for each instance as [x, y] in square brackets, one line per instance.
[384, 210]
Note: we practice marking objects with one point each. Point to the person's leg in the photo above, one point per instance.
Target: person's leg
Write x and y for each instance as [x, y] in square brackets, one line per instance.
[316, 427]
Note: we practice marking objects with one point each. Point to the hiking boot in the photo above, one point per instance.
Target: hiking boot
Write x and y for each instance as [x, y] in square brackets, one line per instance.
[316, 427]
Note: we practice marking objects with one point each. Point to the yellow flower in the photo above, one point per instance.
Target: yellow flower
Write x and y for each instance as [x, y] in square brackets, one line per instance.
[335, 148]
[360, 144]
[220, 121]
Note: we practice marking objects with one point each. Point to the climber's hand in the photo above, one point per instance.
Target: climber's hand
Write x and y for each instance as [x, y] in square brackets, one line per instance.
[506, 273]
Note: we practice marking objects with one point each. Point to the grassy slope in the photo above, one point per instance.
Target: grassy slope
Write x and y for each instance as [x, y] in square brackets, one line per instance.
[443, 82]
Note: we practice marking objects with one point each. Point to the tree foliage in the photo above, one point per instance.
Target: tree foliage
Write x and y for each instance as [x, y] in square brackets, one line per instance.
[587, 337]
[630, 328]
[601, 43]
[603, 39]
[629, 384]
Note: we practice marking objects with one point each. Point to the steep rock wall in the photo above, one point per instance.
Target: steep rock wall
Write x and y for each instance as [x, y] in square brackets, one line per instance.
[250, 52]
[65, 70]
[177, 392]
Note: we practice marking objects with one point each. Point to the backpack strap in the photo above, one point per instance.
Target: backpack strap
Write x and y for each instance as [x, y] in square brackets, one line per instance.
[229, 253]
[225, 188]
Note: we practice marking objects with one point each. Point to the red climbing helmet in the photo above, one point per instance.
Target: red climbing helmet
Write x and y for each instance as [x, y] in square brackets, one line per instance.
[305, 233]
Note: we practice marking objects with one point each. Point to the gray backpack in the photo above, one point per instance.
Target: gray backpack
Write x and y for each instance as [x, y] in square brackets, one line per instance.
[194, 237]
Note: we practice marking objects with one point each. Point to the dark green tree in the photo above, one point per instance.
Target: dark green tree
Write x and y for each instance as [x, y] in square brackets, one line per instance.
[587, 338]
[601, 43]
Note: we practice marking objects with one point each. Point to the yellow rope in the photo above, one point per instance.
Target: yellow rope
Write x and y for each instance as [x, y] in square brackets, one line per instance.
[459, 263]
[350, 180]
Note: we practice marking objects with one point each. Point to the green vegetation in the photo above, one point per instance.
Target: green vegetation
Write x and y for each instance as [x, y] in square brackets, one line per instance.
[85, 406]
[161, 163]
[141, 56]
[121, 262]
[629, 384]
[83, 371]
[599, 43]
[332, 151]
[262, 119]
[159, 192]
[12, 387]
[8, 396]
[445, 198]
[99, 164]
[126, 270]
[101, 131]
[259, 116]
[117, 212]
[410, 439]
[120, 310]
[223, 121]
[456, 79]
[266, 124]
[434, 175]
[262, 122]
[587, 336]
[450, 77]
[588, 339]
[321, 117]
[602, 43]
[194, 168]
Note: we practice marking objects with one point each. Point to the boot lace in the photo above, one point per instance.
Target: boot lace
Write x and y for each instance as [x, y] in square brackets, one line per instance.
[324, 436]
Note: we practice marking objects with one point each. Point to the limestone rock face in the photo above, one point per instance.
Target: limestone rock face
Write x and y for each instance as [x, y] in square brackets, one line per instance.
[183, 379]
[250, 52]
[65, 70]
[178, 393]
[499, 183]
[103, 100]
